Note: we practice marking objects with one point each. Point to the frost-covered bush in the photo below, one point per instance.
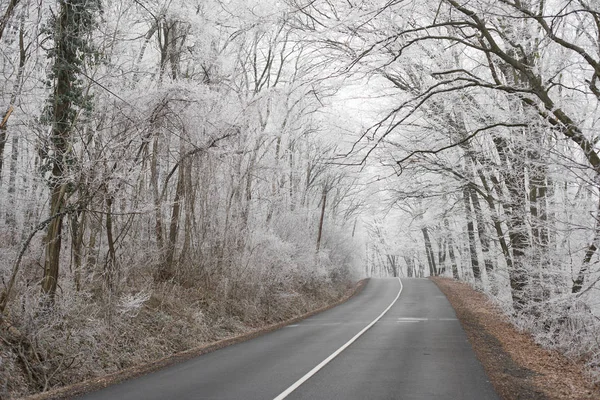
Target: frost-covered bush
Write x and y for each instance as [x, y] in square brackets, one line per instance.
[569, 325]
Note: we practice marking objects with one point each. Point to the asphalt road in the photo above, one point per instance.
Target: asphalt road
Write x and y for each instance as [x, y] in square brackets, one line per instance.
[416, 350]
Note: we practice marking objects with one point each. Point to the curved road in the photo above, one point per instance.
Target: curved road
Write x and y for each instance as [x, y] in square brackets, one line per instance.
[416, 350]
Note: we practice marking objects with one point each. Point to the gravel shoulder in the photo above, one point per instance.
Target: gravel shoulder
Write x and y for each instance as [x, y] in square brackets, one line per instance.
[517, 367]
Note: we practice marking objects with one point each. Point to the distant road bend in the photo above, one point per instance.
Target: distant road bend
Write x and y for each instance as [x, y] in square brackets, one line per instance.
[397, 339]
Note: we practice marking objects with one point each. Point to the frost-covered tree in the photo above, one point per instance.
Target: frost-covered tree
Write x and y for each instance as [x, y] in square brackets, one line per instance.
[69, 31]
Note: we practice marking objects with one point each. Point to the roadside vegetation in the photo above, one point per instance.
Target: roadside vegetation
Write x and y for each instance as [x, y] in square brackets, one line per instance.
[176, 171]
[484, 114]
[163, 183]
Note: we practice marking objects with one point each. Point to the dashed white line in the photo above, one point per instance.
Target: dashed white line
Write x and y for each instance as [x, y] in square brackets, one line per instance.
[326, 361]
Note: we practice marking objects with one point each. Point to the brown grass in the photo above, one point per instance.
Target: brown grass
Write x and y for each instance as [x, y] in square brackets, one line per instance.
[517, 367]
[130, 373]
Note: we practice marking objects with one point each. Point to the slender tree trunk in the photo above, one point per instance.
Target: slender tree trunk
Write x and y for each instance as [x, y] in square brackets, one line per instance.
[429, 252]
[140, 57]
[189, 212]
[3, 138]
[410, 266]
[292, 177]
[7, 15]
[110, 268]
[11, 221]
[393, 261]
[451, 250]
[591, 250]
[471, 233]
[168, 272]
[77, 232]
[442, 251]
[516, 216]
[482, 233]
[322, 218]
[10, 210]
[92, 252]
[158, 227]
[53, 242]
[496, 219]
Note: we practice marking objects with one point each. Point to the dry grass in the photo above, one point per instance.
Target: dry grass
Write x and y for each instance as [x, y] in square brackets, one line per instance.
[141, 369]
[516, 365]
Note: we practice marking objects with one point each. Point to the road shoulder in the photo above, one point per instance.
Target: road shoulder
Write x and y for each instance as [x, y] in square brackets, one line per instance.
[130, 373]
[517, 367]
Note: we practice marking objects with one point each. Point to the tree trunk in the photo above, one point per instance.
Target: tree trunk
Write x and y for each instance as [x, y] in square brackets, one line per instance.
[62, 117]
[77, 231]
[410, 266]
[451, 250]
[471, 233]
[591, 250]
[482, 233]
[11, 221]
[7, 15]
[110, 268]
[189, 212]
[168, 268]
[322, 218]
[442, 251]
[516, 216]
[10, 210]
[429, 252]
[495, 218]
[158, 226]
[393, 262]
[53, 242]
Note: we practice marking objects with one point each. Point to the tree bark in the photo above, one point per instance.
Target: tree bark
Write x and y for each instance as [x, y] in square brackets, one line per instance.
[7, 15]
[482, 233]
[495, 218]
[53, 241]
[158, 226]
[471, 233]
[168, 268]
[513, 176]
[591, 250]
[322, 218]
[429, 252]
[451, 250]
[77, 232]
[111, 268]
[61, 132]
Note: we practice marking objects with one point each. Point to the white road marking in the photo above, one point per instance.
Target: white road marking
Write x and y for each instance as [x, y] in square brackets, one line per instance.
[326, 361]
[413, 319]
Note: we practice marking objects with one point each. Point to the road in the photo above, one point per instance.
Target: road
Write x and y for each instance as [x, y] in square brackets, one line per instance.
[416, 350]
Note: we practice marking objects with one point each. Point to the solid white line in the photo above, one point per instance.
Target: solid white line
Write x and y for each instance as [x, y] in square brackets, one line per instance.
[326, 361]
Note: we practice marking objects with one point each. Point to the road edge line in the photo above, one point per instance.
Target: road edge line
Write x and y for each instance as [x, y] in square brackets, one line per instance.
[124, 375]
[326, 361]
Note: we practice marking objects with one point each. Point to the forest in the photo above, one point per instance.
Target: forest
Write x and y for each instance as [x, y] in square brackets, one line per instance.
[173, 172]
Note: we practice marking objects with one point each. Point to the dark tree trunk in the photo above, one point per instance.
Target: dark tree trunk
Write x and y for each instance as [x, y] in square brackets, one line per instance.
[471, 233]
[429, 252]
[322, 218]
[451, 250]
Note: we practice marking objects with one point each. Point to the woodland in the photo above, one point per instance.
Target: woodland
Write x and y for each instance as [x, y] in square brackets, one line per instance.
[173, 172]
